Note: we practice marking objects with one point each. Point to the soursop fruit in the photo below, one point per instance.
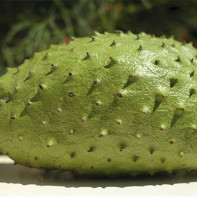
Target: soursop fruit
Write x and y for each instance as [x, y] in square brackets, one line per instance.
[102, 105]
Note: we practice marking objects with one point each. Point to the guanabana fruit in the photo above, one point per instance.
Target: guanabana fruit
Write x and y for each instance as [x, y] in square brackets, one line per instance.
[103, 105]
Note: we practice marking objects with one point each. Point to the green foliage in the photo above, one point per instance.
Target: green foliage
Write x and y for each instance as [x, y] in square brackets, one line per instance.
[32, 26]
[52, 26]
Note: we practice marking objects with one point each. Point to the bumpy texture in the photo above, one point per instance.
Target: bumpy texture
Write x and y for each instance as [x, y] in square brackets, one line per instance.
[109, 104]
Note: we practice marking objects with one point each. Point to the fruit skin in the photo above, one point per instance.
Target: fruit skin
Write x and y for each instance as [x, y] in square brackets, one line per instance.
[109, 104]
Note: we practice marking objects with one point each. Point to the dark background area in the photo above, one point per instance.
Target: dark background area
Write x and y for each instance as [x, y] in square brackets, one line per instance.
[29, 26]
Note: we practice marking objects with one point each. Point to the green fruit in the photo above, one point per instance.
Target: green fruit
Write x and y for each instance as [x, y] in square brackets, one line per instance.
[109, 104]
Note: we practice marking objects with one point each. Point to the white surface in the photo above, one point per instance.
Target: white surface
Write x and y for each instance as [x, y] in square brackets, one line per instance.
[5, 160]
[8, 190]
[16, 180]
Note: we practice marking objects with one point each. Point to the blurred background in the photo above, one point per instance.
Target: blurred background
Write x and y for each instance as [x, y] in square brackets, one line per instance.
[29, 26]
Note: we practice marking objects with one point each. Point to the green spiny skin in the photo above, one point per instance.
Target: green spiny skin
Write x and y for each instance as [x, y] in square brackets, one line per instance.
[110, 104]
